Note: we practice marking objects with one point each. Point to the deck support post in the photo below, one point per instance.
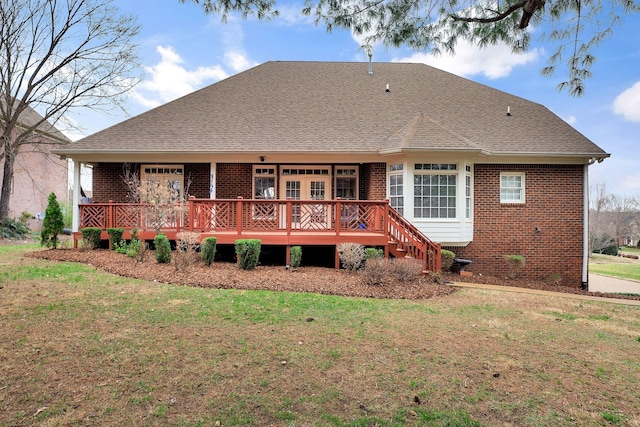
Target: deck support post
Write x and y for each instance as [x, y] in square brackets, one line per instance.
[287, 256]
[192, 219]
[337, 259]
[239, 215]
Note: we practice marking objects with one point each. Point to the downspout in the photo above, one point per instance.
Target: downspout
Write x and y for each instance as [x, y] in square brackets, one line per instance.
[585, 231]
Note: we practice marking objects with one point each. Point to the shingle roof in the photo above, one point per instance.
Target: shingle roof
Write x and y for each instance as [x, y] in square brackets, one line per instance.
[335, 107]
[31, 117]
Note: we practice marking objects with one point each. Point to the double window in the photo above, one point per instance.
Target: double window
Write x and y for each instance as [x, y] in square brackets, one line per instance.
[434, 190]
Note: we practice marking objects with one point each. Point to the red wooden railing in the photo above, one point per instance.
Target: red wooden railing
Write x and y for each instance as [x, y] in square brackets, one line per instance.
[347, 220]
[406, 237]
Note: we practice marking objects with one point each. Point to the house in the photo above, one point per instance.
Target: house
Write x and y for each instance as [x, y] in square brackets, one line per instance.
[475, 170]
[37, 173]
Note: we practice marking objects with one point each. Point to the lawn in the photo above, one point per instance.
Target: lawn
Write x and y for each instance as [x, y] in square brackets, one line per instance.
[608, 265]
[80, 347]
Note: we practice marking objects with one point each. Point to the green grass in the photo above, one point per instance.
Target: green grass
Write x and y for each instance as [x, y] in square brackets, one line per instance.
[98, 348]
[630, 250]
[615, 266]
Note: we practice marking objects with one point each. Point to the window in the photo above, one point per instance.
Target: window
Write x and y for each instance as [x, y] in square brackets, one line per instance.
[264, 183]
[434, 190]
[264, 188]
[511, 187]
[396, 188]
[347, 183]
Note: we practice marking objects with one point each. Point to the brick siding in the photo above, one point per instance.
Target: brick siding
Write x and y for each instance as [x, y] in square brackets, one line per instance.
[374, 178]
[108, 181]
[553, 202]
[233, 180]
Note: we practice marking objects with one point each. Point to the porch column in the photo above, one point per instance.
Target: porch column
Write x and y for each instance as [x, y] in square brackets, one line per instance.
[212, 181]
[75, 196]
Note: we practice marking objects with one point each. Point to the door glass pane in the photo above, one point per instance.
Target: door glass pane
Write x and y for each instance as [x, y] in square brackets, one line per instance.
[292, 190]
[346, 188]
[317, 190]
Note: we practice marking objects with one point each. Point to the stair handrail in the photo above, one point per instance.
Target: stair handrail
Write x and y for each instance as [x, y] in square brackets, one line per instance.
[409, 238]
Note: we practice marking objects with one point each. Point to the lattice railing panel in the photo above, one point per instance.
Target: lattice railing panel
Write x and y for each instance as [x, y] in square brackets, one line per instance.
[212, 215]
[128, 216]
[94, 216]
[316, 216]
[261, 216]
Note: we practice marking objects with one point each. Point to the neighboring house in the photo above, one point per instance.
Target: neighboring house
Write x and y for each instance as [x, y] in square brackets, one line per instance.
[622, 227]
[479, 171]
[37, 172]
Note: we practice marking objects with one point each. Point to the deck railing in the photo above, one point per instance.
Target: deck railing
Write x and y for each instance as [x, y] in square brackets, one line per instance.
[240, 217]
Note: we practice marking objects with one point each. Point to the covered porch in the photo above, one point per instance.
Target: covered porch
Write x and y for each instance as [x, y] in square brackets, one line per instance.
[274, 222]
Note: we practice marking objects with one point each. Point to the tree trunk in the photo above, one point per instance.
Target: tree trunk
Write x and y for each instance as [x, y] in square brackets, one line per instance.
[7, 177]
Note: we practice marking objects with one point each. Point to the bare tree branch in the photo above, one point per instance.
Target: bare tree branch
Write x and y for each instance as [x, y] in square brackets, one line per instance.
[57, 56]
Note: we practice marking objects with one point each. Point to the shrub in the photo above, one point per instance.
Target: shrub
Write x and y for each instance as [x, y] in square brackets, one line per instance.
[163, 249]
[515, 263]
[121, 247]
[296, 256]
[405, 269]
[91, 235]
[370, 253]
[208, 250]
[11, 228]
[248, 253]
[186, 247]
[351, 255]
[139, 250]
[115, 236]
[446, 259]
[610, 250]
[375, 271]
[53, 223]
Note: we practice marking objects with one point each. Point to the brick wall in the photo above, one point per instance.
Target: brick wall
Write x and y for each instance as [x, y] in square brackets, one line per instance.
[233, 180]
[374, 178]
[553, 202]
[196, 177]
[108, 181]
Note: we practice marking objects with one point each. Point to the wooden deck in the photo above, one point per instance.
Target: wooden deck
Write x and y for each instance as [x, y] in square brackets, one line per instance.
[274, 222]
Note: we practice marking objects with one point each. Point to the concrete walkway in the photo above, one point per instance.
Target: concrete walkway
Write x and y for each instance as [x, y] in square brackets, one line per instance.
[599, 283]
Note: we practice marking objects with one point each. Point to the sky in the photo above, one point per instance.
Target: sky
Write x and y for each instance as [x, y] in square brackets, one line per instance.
[182, 50]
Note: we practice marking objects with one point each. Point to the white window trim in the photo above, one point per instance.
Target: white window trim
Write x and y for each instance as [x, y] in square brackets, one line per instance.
[522, 188]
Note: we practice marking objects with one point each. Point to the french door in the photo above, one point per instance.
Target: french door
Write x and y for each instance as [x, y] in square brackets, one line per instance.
[308, 216]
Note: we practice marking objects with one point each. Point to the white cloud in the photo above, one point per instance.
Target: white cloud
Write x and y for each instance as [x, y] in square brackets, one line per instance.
[627, 104]
[572, 120]
[237, 61]
[169, 79]
[493, 61]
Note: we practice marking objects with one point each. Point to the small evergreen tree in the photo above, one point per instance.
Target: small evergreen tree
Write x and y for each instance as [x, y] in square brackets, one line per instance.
[163, 249]
[53, 223]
